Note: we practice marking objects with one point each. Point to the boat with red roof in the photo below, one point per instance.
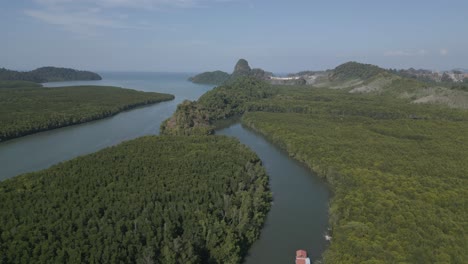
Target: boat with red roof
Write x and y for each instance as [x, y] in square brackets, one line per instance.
[301, 257]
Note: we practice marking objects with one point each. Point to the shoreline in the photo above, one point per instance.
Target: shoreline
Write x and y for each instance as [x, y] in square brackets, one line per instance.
[86, 119]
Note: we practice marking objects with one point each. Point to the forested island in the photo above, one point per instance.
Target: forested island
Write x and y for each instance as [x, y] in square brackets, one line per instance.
[150, 200]
[394, 151]
[214, 77]
[25, 109]
[48, 74]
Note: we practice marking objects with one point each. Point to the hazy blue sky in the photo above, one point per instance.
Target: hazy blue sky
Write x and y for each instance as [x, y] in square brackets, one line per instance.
[198, 35]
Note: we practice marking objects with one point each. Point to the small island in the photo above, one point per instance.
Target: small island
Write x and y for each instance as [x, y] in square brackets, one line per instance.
[214, 77]
[26, 108]
[48, 74]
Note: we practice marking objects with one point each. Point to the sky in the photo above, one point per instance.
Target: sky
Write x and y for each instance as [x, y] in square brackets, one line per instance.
[199, 35]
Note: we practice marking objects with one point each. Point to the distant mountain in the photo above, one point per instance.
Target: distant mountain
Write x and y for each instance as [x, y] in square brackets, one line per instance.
[214, 77]
[48, 74]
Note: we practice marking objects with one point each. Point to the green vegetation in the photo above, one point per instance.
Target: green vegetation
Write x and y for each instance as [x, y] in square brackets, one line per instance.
[460, 86]
[25, 111]
[398, 169]
[241, 70]
[149, 200]
[364, 78]
[228, 100]
[48, 74]
[188, 119]
[215, 77]
[19, 84]
[354, 70]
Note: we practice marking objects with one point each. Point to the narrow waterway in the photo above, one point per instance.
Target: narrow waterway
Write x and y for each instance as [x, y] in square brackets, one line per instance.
[41, 150]
[299, 216]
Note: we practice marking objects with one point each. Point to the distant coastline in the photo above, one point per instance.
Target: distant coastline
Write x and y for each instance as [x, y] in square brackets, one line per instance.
[48, 74]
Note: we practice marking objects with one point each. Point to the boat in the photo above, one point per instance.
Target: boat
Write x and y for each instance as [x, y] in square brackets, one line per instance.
[301, 257]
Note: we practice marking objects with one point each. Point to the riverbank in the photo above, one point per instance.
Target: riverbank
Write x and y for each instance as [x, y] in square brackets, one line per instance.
[25, 111]
[396, 182]
[298, 217]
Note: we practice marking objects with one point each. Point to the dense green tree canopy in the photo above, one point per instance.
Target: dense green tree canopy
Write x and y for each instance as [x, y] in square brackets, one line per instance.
[399, 182]
[222, 102]
[149, 200]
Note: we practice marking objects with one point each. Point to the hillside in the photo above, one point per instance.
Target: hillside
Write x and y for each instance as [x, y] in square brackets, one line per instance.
[444, 77]
[149, 200]
[355, 70]
[366, 78]
[27, 110]
[48, 74]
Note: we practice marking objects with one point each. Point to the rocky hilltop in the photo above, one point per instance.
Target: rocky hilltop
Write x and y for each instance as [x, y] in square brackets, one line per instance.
[242, 68]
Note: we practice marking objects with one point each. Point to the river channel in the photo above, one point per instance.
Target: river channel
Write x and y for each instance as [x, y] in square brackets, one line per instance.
[298, 217]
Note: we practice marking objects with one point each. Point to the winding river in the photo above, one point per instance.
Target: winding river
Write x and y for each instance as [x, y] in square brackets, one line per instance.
[298, 217]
